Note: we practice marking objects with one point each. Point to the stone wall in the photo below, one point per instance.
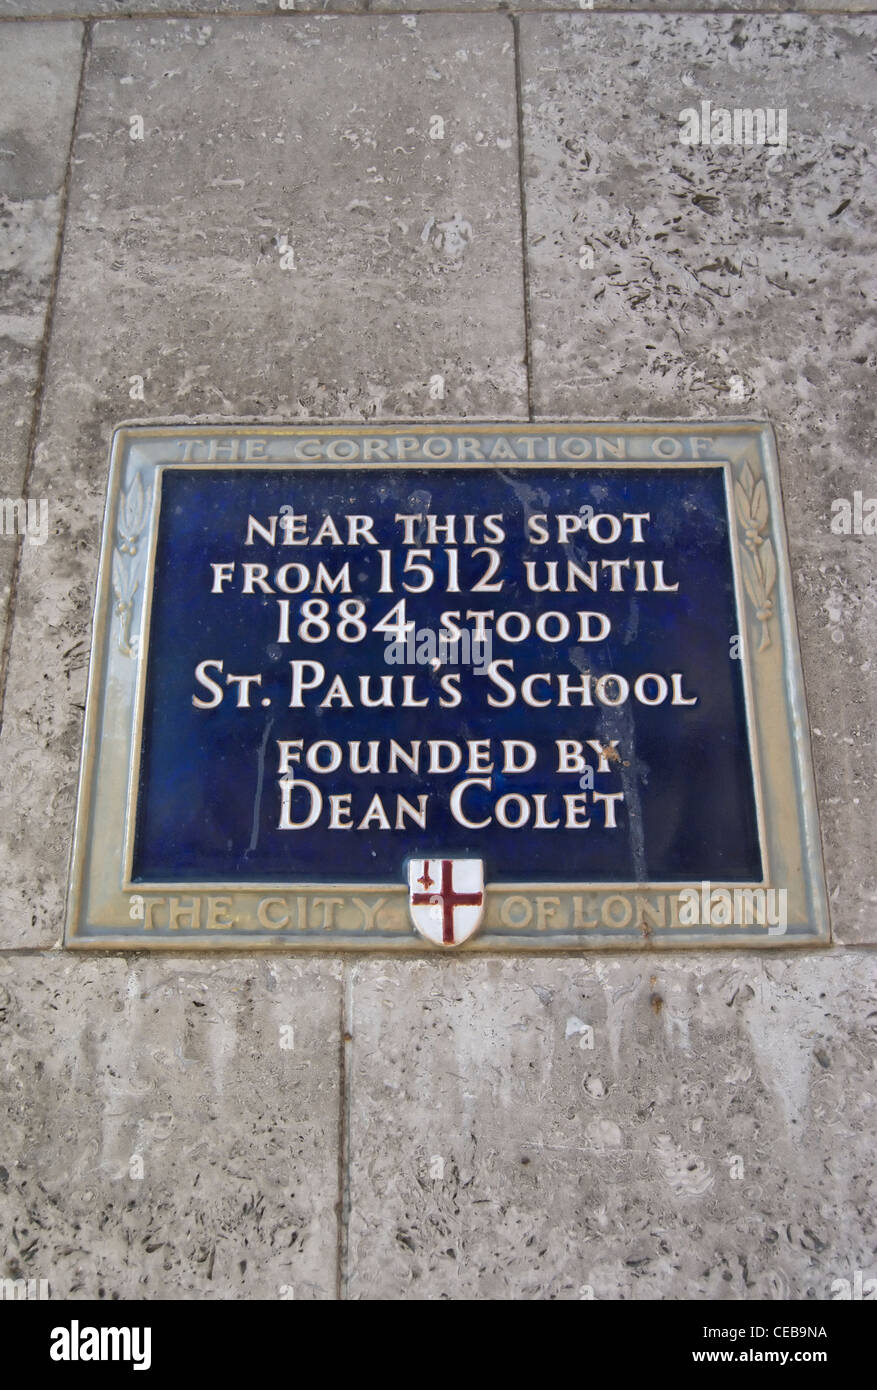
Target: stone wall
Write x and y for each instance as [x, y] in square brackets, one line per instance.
[431, 1127]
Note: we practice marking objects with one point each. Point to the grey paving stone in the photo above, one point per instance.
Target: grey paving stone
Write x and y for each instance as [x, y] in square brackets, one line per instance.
[184, 1065]
[836, 601]
[709, 263]
[39, 75]
[725, 282]
[407, 264]
[103, 8]
[404, 250]
[712, 1143]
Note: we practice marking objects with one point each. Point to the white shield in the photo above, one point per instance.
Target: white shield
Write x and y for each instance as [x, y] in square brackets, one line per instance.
[446, 897]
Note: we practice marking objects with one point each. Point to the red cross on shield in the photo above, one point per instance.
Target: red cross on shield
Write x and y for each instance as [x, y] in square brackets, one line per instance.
[446, 897]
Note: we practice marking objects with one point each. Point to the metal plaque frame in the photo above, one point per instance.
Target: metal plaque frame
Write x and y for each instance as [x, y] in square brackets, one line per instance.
[106, 910]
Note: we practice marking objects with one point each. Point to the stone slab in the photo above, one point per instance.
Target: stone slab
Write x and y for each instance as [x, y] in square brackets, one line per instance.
[39, 76]
[406, 263]
[725, 281]
[191, 1068]
[97, 9]
[836, 598]
[287, 240]
[709, 263]
[621, 1129]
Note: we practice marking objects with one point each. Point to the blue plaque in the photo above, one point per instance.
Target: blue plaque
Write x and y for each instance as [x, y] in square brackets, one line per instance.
[499, 687]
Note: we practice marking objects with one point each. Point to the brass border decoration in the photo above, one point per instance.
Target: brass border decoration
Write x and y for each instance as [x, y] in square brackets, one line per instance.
[440, 898]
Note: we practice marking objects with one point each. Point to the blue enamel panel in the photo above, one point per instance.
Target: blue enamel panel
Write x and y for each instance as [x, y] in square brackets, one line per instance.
[208, 800]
